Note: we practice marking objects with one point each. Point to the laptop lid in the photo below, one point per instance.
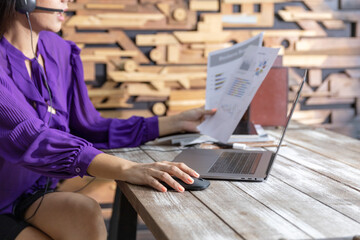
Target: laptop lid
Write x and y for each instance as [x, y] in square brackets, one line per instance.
[288, 121]
[205, 160]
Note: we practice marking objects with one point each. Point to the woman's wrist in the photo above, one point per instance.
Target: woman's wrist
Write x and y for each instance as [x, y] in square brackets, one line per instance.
[170, 124]
[110, 167]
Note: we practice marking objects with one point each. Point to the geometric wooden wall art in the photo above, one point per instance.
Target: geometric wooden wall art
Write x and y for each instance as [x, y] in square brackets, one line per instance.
[156, 50]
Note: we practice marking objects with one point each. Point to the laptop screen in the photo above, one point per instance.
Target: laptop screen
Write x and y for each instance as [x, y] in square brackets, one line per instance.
[291, 111]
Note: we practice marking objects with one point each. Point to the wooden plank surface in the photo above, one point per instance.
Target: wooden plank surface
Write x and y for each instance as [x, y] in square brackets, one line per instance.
[310, 181]
[159, 209]
[320, 141]
[332, 193]
[283, 199]
[222, 196]
[302, 210]
[320, 164]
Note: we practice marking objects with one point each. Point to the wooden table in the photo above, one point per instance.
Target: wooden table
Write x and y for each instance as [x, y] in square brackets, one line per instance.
[313, 192]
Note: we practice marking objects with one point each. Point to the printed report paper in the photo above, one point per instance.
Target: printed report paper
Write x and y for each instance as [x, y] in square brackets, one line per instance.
[221, 64]
[233, 79]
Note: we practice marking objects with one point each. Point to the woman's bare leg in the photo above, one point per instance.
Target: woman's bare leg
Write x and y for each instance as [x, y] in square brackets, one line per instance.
[67, 215]
[31, 233]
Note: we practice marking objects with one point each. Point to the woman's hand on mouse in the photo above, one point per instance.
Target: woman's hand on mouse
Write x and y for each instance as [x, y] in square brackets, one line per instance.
[152, 174]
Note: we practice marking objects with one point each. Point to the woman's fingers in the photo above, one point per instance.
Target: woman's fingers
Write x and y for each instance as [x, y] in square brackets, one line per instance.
[154, 173]
[210, 112]
[181, 171]
[157, 176]
[183, 167]
[163, 171]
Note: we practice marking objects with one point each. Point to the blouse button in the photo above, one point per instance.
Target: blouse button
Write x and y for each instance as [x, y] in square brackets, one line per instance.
[77, 170]
[61, 128]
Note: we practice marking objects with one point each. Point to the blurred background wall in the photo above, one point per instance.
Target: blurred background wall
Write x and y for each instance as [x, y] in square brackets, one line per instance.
[146, 57]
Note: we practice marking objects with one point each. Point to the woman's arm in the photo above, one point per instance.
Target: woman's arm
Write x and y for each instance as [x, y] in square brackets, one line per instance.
[108, 166]
[186, 121]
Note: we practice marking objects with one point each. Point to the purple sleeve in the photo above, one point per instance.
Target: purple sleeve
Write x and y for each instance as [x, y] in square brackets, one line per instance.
[27, 141]
[87, 123]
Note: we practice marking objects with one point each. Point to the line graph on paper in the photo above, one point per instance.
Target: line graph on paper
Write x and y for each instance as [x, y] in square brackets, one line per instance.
[230, 109]
[238, 87]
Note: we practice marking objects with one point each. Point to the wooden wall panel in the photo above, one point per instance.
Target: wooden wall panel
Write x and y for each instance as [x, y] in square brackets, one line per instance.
[156, 50]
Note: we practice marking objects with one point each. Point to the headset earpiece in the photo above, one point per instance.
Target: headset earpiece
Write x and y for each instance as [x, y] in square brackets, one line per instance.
[25, 6]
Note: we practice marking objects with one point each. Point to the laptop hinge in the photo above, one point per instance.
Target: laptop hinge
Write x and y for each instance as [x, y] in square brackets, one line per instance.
[272, 159]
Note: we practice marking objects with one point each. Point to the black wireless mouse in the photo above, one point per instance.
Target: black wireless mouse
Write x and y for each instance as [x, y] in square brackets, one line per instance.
[199, 184]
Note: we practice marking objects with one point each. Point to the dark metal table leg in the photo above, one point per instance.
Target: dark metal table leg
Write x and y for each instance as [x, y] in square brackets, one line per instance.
[123, 222]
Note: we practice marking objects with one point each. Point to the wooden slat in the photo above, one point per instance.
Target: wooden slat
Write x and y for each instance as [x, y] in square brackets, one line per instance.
[342, 116]
[204, 5]
[319, 16]
[320, 140]
[91, 38]
[247, 8]
[256, 1]
[354, 73]
[342, 86]
[316, 44]
[108, 1]
[267, 16]
[105, 6]
[327, 99]
[320, 6]
[155, 39]
[164, 8]
[194, 37]
[321, 61]
[311, 117]
[306, 24]
[173, 53]
[240, 35]
[315, 77]
[142, 89]
[143, 77]
[127, 44]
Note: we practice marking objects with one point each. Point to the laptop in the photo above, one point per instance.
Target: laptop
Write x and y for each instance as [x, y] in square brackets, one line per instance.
[234, 164]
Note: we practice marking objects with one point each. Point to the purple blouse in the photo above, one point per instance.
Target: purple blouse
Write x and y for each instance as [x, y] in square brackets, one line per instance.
[30, 149]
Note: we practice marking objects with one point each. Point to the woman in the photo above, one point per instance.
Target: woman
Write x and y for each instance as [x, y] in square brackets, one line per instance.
[50, 130]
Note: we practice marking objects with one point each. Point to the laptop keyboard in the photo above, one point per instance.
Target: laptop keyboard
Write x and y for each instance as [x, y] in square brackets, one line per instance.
[234, 162]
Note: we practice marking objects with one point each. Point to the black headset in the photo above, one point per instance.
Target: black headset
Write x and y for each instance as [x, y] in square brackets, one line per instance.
[28, 6]
[24, 6]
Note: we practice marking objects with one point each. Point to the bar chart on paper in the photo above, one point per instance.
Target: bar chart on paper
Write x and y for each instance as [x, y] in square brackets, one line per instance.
[238, 87]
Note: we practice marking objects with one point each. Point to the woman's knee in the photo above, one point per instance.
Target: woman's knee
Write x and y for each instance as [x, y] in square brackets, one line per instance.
[88, 213]
[64, 215]
[84, 206]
